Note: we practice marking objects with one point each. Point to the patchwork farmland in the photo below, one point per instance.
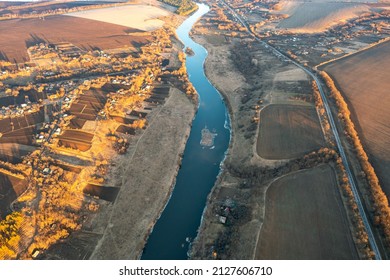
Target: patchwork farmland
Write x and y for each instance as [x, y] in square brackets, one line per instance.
[88, 105]
[21, 129]
[78, 31]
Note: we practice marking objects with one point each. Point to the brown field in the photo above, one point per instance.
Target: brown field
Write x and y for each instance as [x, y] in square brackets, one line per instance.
[20, 130]
[76, 139]
[22, 136]
[288, 131]
[84, 33]
[33, 96]
[88, 105]
[364, 81]
[25, 121]
[215, 40]
[305, 219]
[12, 152]
[23, 8]
[77, 123]
[125, 130]
[10, 188]
[143, 17]
[5, 4]
[318, 16]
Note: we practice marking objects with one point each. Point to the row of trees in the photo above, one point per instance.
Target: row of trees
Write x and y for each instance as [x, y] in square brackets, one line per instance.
[185, 7]
[329, 155]
[322, 114]
[359, 233]
[255, 176]
[379, 202]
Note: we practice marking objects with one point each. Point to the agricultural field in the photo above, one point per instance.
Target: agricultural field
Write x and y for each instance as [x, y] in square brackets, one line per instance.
[364, 81]
[20, 130]
[10, 188]
[103, 192]
[5, 4]
[12, 124]
[288, 131]
[125, 130]
[305, 219]
[76, 139]
[318, 16]
[291, 75]
[84, 33]
[27, 7]
[142, 17]
[33, 96]
[14, 153]
[89, 104]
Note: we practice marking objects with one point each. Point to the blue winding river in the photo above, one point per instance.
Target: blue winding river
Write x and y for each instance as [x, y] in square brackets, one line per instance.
[200, 167]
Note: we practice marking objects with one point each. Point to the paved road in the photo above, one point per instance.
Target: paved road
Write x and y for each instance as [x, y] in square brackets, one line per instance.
[333, 127]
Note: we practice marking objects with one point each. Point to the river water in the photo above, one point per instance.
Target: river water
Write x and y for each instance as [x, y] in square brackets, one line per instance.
[200, 167]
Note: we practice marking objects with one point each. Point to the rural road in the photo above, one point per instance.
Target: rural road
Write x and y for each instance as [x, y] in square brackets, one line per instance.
[366, 223]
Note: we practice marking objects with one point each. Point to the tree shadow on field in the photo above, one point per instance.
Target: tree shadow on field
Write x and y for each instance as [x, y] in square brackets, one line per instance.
[6, 195]
[34, 40]
[137, 44]
[3, 56]
[131, 30]
[94, 48]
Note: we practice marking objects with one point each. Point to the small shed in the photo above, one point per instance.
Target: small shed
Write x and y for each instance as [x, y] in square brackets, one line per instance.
[222, 219]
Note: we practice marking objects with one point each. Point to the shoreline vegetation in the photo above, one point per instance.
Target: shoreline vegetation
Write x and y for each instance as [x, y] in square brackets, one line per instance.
[184, 7]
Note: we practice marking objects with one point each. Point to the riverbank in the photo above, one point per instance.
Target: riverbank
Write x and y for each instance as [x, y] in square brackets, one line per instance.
[230, 82]
[147, 174]
[143, 177]
[148, 178]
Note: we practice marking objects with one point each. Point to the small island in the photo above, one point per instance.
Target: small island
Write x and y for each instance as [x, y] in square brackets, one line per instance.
[207, 137]
[189, 51]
